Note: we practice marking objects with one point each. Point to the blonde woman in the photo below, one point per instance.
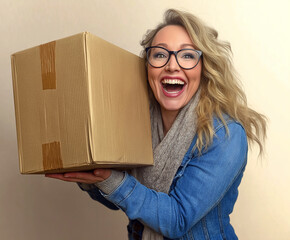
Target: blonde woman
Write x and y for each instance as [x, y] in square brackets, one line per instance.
[201, 126]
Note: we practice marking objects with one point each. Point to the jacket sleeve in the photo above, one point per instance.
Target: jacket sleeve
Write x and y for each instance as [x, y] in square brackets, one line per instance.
[205, 181]
[96, 195]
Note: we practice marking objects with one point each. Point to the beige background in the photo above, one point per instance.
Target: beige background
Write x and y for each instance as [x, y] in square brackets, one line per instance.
[33, 207]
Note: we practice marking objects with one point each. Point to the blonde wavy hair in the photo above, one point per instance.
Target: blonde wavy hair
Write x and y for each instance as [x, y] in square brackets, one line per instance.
[221, 92]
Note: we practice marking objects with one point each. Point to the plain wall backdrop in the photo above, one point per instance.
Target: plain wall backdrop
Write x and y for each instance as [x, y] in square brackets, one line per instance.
[33, 207]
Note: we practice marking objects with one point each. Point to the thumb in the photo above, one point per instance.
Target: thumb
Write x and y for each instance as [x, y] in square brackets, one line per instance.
[102, 173]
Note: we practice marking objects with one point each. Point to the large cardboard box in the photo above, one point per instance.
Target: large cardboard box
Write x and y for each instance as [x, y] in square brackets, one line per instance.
[80, 103]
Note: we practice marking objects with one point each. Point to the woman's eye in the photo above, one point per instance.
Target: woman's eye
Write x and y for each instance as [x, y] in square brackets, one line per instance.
[188, 56]
[159, 55]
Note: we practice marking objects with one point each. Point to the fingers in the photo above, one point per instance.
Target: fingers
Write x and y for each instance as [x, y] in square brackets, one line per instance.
[55, 175]
[97, 175]
[83, 177]
[80, 175]
[77, 180]
[61, 177]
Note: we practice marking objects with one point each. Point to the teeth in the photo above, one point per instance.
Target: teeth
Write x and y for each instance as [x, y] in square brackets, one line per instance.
[171, 92]
[172, 81]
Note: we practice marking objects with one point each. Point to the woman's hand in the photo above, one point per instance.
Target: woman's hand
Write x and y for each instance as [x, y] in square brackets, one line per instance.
[97, 175]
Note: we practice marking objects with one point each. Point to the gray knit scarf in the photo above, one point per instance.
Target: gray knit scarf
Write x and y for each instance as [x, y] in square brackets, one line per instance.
[168, 152]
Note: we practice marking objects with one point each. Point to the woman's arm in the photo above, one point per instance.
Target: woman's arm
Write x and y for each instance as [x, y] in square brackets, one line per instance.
[96, 195]
[205, 181]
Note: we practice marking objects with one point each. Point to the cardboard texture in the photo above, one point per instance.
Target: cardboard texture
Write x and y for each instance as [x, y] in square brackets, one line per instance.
[80, 103]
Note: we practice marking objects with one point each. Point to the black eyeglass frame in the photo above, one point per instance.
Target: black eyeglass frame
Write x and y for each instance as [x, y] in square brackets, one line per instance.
[175, 54]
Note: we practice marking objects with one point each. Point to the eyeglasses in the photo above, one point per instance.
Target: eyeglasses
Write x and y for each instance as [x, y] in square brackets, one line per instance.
[186, 58]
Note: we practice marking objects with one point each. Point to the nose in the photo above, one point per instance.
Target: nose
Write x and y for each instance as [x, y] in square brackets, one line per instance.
[172, 64]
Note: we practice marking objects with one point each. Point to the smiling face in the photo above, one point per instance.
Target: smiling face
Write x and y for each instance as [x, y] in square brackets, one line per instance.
[173, 87]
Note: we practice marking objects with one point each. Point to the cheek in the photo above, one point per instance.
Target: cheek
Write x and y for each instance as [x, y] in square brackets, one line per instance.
[194, 80]
[195, 76]
[150, 81]
[153, 78]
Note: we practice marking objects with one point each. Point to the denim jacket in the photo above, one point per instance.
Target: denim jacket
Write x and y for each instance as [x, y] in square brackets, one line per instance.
[201, 197]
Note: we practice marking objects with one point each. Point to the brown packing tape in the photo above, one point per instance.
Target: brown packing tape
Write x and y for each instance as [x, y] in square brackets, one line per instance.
[51, 152]
[47, 58]
[51, 156]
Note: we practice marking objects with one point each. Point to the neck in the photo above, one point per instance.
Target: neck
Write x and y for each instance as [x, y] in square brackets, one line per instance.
[168, 118]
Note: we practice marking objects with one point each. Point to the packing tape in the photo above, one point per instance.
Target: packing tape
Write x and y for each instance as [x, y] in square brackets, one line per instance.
[51, 156]
[47, 58]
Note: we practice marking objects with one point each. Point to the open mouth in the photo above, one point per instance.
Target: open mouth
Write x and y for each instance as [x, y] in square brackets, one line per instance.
[172, 87]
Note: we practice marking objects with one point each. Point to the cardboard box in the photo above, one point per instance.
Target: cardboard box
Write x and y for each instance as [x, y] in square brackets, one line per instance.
[80, 103]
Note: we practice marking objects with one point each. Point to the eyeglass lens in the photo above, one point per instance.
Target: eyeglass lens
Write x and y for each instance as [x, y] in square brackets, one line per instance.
[187, 58]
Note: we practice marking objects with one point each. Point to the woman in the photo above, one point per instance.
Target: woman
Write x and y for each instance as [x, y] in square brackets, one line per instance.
[200, 126]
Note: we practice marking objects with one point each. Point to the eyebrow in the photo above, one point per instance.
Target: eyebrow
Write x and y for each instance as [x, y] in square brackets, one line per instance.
[181, 46]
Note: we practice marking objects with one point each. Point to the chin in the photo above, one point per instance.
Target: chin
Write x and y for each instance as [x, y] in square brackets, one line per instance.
[172, 106]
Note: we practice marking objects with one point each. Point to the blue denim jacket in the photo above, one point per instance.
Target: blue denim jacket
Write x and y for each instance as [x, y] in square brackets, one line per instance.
[201, 197]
